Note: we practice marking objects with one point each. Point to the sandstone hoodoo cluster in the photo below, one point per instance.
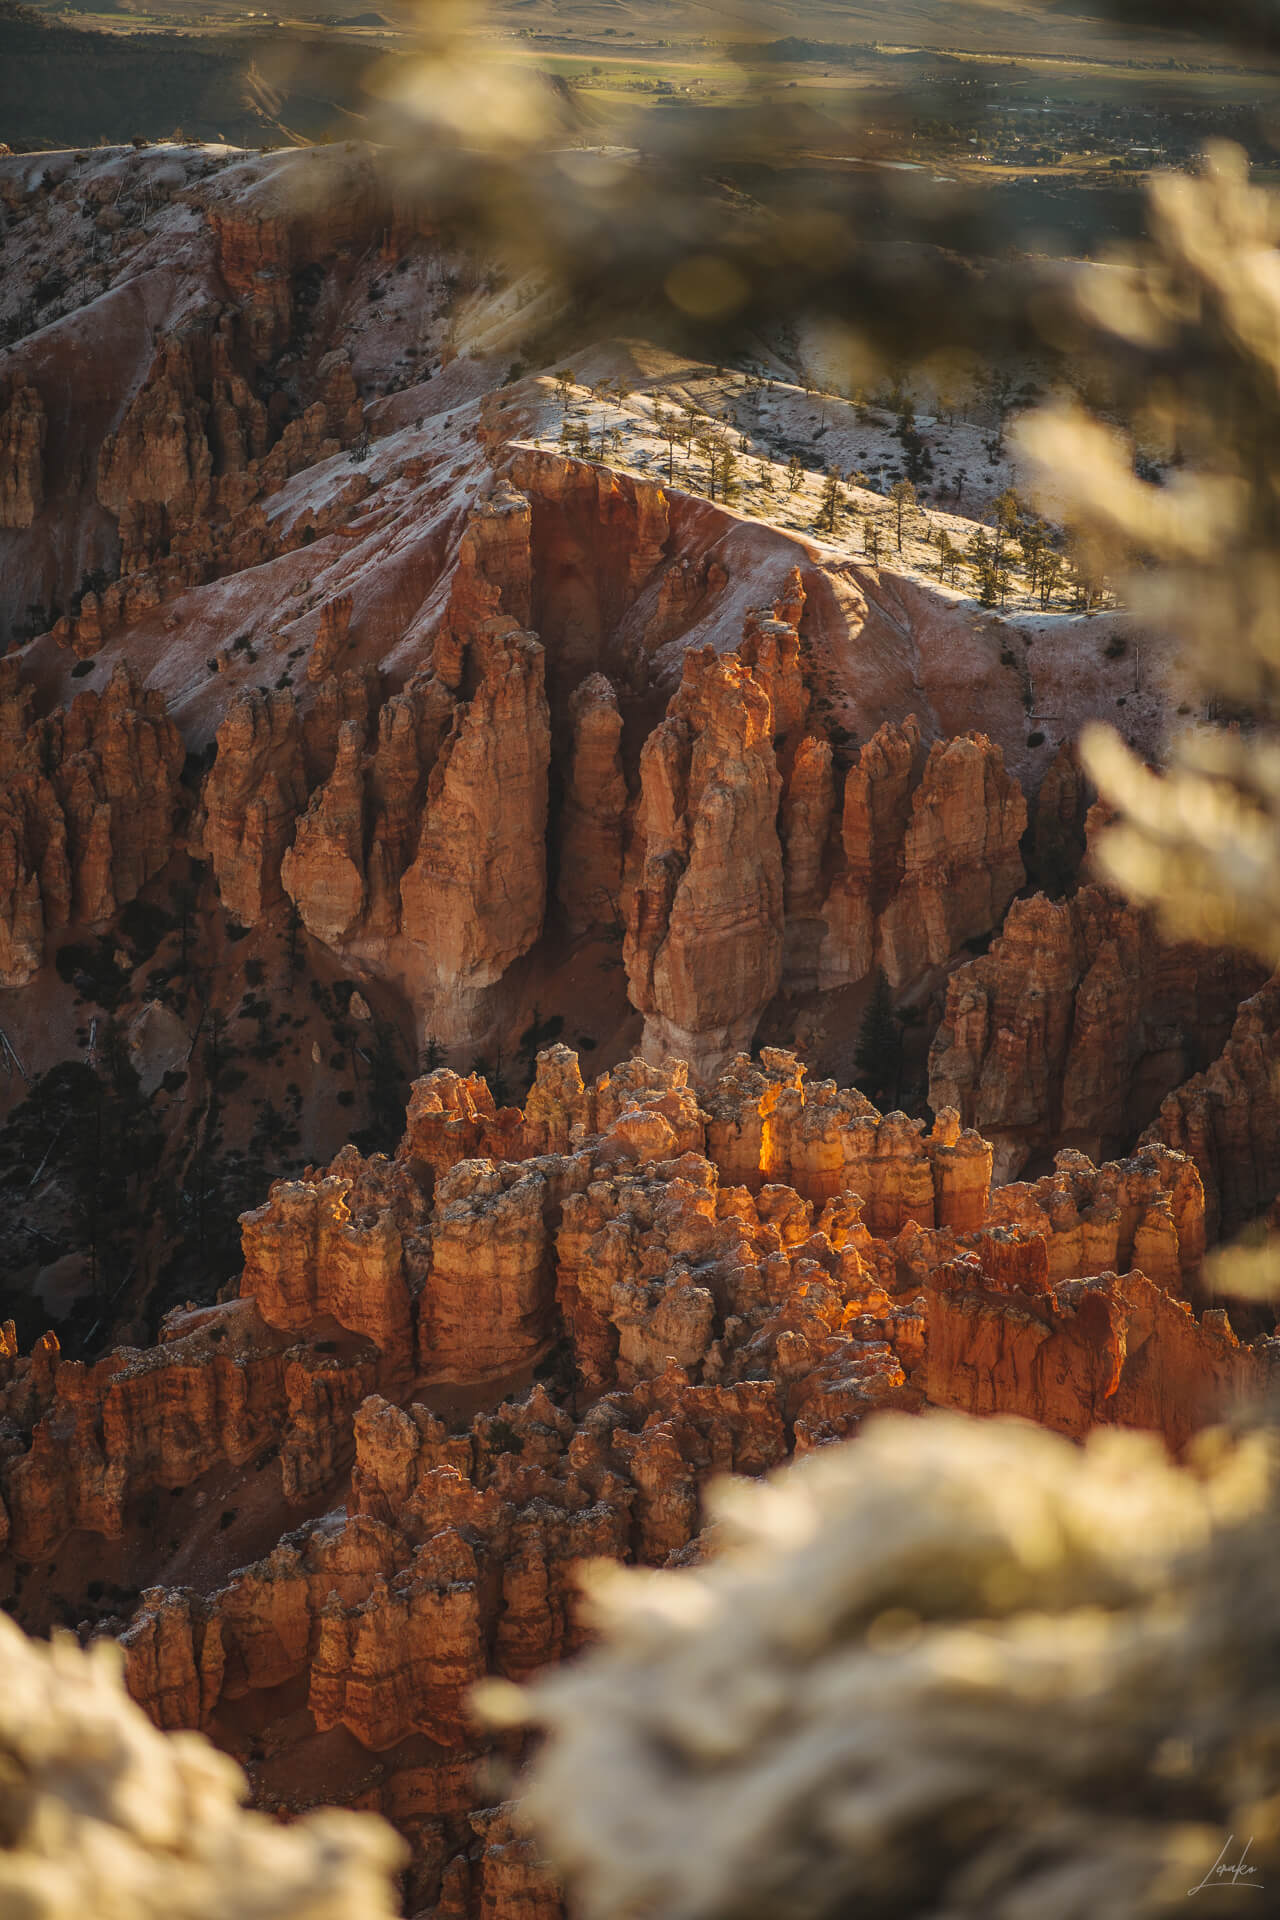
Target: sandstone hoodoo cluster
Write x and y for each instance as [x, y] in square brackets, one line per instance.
[360, 748]
[693, 1283]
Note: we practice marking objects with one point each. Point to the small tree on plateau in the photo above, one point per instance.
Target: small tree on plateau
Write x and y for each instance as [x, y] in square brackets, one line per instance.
[832, 506]
[708, 447]
[668, 428]
[980, 559]
[878, 1056]
[795, 473]
[903, 495]
[565, 384]
[871, 538]
[1008, 518]
[1051, 570]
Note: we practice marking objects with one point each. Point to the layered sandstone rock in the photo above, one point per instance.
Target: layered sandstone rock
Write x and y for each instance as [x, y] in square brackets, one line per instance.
[451, 1118]
[23, 430]
[452, 1544]
[1067, 1030]
[488, 1303]
[352, 844]
[596, 539]
[324, 870]
[492, 578]
[808, 809]
[768, 1123]
[346, 1247]
[704, 921]
[88, 805]
[1058, 822]
[192, 454]
[1147, 1211]
[875, 809]
[332, 630]
[785, 1232]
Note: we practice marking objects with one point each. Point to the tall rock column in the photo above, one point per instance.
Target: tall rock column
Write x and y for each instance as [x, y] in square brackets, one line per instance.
[474, 897]
[22, 435]
[961, 859]
[323, 871]
[703, 950]
[595, 805]
[254, 793]
[873, 828]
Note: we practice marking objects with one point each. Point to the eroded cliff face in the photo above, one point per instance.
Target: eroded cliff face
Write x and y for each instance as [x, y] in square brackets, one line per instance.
[251, 800]
[194, 452]
[592, 826]
[398, 788]
[407, 814]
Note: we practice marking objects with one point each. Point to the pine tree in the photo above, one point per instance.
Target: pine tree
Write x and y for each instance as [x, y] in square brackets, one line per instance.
[903, 495]
[832, 503]
[1008, 517]
[668, 430]
[1050, 575]
[980, 559]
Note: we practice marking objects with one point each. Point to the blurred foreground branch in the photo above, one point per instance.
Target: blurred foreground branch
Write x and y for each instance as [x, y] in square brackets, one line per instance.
[104, 1818]
[951, 1668]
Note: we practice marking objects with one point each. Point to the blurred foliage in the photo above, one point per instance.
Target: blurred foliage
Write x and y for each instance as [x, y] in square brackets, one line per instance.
[734, 220]
[103, 1817]
[953, 1668]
